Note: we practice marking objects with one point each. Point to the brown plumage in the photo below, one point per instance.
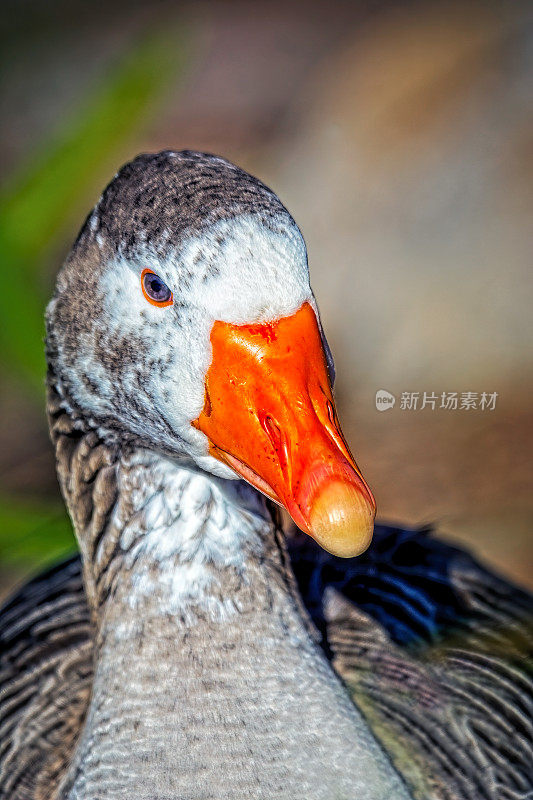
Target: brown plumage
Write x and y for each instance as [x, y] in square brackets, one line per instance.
[189, 653]
[452, 705]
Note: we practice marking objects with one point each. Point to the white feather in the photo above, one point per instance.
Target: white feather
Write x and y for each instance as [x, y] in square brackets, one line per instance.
[185, 524]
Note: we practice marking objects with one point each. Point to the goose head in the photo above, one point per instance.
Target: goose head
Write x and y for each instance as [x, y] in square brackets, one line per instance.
[183, 321]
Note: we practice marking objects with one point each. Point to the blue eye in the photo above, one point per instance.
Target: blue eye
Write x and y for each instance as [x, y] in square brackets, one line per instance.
[155, 290]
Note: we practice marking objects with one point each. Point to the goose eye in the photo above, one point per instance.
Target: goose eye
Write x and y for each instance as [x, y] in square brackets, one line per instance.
[155, 289]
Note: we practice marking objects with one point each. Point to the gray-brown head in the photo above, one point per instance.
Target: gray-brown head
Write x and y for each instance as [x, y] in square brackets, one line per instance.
[183, 322]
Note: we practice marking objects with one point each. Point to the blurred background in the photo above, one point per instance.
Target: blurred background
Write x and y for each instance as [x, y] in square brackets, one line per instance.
[399, 135]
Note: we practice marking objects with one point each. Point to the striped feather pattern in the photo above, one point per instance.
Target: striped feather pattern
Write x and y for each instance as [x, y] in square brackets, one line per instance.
[437, 652]
[441, 668]
[46, 654]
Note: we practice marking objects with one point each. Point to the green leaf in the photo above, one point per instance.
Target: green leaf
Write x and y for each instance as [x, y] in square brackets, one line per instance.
[33, 533]
[39, 199]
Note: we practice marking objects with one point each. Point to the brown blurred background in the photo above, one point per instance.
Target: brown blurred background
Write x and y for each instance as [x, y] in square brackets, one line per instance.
[398, 134]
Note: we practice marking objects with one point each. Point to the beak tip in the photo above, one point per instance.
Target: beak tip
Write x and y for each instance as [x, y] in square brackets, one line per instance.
[342, 520]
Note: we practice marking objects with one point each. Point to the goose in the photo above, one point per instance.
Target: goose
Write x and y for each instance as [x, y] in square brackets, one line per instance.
[192, 649]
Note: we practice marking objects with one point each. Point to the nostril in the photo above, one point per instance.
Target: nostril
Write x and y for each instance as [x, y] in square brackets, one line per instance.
[272, 430]
[335, 429]
[331, 415]
[277, 439]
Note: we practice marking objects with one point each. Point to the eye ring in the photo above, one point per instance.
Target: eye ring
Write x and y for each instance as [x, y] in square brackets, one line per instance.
[149, 292]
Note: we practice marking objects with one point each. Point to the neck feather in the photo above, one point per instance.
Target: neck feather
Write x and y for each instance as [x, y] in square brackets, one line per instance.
[207, 682]
[155, 532]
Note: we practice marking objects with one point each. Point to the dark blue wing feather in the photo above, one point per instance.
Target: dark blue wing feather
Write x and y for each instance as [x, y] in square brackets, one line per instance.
[406, 581]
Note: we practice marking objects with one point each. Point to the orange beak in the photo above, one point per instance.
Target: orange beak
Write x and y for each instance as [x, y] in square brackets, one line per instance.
[269, 414]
